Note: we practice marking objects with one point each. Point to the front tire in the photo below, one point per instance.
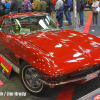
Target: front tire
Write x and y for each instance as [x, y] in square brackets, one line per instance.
[29, 78]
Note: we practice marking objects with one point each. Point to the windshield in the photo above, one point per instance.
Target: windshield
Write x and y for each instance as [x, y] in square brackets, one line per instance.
[25, 25]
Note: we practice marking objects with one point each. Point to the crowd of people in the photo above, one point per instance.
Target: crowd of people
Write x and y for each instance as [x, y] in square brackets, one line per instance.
[59, 6]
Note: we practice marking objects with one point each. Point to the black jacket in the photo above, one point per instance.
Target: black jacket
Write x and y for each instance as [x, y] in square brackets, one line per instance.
[14, 6]
[65, 2]
[80, 5]
[49, 4]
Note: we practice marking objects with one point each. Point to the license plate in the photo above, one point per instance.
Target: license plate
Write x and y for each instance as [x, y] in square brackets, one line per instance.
[92, 75]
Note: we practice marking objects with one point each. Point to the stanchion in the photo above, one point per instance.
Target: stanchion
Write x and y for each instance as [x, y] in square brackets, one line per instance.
[92, 21]
[75, 14]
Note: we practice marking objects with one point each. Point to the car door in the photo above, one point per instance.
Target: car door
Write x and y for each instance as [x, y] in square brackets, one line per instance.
[5, 40]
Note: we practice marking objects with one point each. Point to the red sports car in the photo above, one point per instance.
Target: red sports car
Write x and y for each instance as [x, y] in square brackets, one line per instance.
[45, 56]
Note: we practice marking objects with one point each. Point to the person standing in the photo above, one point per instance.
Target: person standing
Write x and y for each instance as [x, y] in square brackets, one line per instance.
[2, 9]
[27, 6]
[49, 6]
[14, 7]
[42, 6]
[19, 5]
[81, 13]
[65, 10]
[95, 6]
[35, 5]
[7, 7]
[68, 6]
[59, 13]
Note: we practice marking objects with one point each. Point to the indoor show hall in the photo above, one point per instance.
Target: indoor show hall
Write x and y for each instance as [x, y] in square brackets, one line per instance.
[12, 88]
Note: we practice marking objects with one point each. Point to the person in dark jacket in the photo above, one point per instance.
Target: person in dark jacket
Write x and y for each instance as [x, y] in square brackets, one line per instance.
[81, 13]
[65, 11]
[68, 5]
[19, 5]
[80, 10]
[14, 7]
[2, 9]
[49, 6]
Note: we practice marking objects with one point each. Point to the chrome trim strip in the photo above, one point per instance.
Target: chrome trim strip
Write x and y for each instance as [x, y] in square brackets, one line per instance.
[15, 68]
[65, 82]
[68, 81]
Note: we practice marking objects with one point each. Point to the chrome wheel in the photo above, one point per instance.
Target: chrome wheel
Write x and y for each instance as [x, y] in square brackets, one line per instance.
[31, 78]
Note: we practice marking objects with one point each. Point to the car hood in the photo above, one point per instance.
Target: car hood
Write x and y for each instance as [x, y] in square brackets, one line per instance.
[62, 43]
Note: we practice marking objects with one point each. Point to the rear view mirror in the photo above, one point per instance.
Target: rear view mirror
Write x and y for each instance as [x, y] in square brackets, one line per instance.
[0, 29]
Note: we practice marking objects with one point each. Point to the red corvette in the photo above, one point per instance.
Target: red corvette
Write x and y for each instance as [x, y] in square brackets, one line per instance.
[45, 56]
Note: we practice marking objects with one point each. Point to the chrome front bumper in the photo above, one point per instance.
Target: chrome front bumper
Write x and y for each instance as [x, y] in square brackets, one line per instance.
[69, 80]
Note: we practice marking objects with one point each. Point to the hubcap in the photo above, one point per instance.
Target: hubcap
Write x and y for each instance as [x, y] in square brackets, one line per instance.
[31, 78]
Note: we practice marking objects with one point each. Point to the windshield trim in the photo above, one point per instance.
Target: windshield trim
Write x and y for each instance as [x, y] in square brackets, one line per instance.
[35, 15]
[42, 30]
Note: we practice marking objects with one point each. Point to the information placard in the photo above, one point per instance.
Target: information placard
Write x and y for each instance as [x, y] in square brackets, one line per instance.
[5, 67]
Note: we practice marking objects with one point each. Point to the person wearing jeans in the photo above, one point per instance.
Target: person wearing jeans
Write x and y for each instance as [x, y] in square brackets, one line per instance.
[65, 10]
[68, 5]
[69, 18]
[95, 6]
[59, 13]
[14, 7]
[80, 10]
[95, 18]
[81, 14]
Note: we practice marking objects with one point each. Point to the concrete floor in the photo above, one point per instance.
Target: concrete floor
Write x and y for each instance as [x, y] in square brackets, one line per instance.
[86, 15]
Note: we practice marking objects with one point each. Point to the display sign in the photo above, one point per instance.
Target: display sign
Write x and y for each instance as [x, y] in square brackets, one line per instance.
[24, 31]
[94, 95]
[5, 67]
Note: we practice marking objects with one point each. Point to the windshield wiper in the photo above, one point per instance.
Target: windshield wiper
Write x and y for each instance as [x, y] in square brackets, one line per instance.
[40, 31]
[33, 32]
